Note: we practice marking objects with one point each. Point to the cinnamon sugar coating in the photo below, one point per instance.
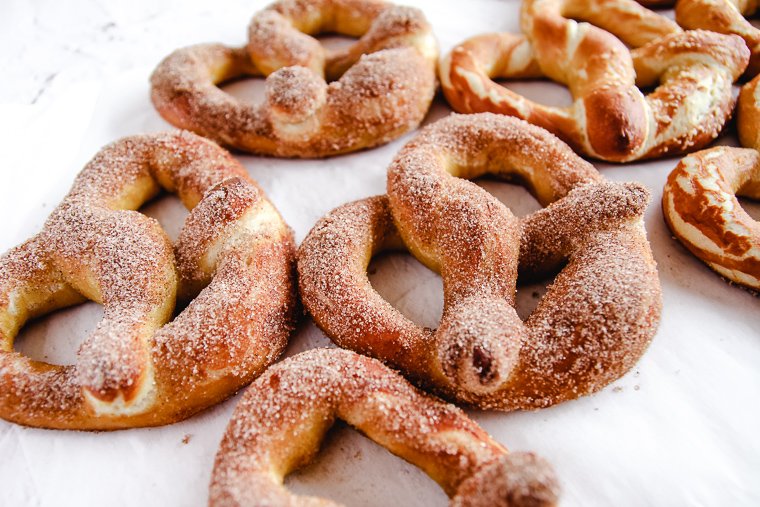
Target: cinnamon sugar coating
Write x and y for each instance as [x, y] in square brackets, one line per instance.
[235, 265]
[610, 118]
[379, 88]
[593, 324]
[282, 418]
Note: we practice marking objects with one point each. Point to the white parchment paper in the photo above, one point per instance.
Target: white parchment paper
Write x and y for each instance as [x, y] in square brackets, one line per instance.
[682, 428]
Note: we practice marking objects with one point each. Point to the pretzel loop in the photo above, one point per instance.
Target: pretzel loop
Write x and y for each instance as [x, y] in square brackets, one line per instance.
[592, 325]
[135, 369]
[700, 207]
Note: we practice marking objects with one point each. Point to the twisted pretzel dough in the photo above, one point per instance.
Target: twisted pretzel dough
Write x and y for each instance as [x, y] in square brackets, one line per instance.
[282, 418]
[381, 86]
[610, 119]
[700, 207]
[724, 16]
[135, 369]
[592, 325]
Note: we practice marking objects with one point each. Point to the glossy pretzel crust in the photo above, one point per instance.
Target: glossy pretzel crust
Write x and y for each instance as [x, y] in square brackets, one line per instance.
[610, 118]
[700, 207]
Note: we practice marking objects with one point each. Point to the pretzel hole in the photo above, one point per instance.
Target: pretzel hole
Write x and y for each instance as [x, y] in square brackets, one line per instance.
[409, 286]
[540, 91]
[55, 338]
[346, 457]
[521, 202]
[335, 43]
[245, 88]
[169, 211]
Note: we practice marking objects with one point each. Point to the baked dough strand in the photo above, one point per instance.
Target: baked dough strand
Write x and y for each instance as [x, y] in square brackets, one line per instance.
[280, 421]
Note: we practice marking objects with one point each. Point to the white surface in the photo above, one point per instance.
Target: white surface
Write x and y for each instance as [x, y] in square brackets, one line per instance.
[683, 428]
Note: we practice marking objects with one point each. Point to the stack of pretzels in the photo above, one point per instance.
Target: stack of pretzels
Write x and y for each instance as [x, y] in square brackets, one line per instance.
[642, 88]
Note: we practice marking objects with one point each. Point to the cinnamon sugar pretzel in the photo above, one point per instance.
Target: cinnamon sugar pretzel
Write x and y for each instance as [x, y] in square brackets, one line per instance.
[282, 418]
[610, 118]
[234, 253]
[379, 88]
[592, 325]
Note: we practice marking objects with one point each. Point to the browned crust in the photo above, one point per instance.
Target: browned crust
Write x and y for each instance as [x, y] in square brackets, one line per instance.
[723, 16]
[282, 418]
[610, 118]
[748, 115]
[589, 329]
[699, 202]
[135, 369]
[380, 88]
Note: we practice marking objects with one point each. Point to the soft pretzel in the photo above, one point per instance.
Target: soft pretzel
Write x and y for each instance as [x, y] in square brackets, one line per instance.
[724, 16]
[610, 118]
[592, 325]
[700, 207]
[279, 423]
[748, 115]
[380, 87]
[135, 369]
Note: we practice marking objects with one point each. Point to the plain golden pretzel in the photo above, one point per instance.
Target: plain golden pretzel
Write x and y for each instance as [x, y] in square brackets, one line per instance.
[699, 199]
[282, 418]
[135, 369]
[379, 88]
[700, 207]
[610, 118]
[724, 16]
[592, 325]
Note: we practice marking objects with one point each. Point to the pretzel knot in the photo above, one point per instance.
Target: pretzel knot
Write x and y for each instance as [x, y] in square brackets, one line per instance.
[282, 418]
[380, 87]
[610, 118]
[592, 325]
[135, 369]
[724, 16]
